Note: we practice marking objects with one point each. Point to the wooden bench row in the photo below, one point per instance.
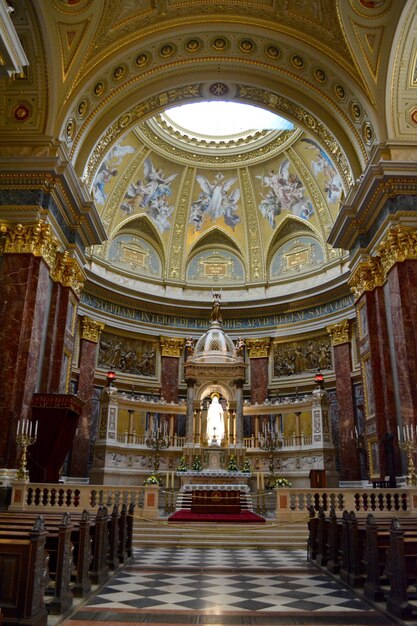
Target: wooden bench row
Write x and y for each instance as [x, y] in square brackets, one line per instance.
[46, 561]
[377, 555]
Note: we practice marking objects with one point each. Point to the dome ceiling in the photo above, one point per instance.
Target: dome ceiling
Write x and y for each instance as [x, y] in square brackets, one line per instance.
[249, 210]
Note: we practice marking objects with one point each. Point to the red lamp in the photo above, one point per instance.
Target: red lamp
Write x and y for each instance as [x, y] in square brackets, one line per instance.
[319, 379]
[111, 377]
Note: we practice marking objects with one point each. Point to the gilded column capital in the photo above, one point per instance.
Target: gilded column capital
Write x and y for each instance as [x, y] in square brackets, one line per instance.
[339, 333]
[171, 346]
[398, 245]
[258, 347]
[36, 239]
[91, 329]
[68, 272]
[366, 277]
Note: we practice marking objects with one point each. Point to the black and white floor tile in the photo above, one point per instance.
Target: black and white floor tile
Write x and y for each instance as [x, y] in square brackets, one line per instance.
[221, 586]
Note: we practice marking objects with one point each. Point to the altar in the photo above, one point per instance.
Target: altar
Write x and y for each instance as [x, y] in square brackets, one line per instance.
[224, 499]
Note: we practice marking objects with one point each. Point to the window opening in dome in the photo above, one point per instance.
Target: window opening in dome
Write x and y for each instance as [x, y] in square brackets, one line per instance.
[220, 119]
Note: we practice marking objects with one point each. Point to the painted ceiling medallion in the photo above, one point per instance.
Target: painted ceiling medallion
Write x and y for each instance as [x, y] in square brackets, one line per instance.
[297, 61]
[219, 43]
[273, 52]
[142, 59]
[340, 91]
[218, 89]
[118, 72]
[193, 45]
[167, 50]
[246, 45]
[82, 108]
[319, 75]
[99, 88]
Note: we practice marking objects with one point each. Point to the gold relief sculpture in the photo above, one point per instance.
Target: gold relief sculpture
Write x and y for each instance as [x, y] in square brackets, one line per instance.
[256, 265]
[36, 239]
[367, 276]
[399, 245]
[258, 348]
[176, 261]
[91, 329]
[123, 354]
[297, 357]
[68, 272]
[171, 346]
[339, 333]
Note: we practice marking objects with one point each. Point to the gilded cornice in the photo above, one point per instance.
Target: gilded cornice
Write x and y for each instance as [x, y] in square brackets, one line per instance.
[68, 272]
[258, 348]
[339, 333]
[36, 239]
[366, 277]
[399, 245]
[171, 346]
[91, 329]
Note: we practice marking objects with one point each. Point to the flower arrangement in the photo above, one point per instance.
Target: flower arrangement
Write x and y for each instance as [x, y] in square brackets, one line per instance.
[197, 466]
[153, 479]
[182, 467]
[246, 467]
[232, 467]
[281, 482]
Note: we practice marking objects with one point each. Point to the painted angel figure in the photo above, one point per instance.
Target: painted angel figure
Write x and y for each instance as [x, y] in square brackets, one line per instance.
[156, 184]
[321, 164]
[215, 201]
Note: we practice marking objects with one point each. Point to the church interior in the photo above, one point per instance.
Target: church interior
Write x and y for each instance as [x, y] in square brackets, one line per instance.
[208, 310]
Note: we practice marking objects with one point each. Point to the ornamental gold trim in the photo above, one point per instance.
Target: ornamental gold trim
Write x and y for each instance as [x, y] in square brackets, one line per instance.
[400, 244]
[91, 329]
[68, 272]
[366, 277]
[258, 348]
[36, 239]
[171, 346]
[339, 333]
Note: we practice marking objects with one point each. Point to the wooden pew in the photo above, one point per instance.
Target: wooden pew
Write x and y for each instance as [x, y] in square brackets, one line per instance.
[60, 561]
[401, 570]
[312, 544]
[99, 567]
[23, 557]
[114, 537]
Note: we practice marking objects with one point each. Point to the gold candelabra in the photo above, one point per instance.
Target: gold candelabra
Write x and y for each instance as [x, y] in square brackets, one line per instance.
[26, 436]
[410, 449]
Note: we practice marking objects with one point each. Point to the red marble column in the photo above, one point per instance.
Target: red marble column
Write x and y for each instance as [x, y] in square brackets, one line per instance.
[25, 291]
[170, 363]
[402, 292]
[376, 370]
[342, 364]
[258, 354]
[90, 335]
[60, 338]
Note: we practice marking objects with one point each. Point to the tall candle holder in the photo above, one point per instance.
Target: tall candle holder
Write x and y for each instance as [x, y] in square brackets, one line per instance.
[410, 448]
[26, 436]
[157, 440]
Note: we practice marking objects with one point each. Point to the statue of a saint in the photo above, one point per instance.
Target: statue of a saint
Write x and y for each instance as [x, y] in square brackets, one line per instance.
[215, 422]
[216, 315]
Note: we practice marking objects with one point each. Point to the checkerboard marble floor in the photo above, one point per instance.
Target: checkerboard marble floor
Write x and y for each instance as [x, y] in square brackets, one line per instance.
[222, 586]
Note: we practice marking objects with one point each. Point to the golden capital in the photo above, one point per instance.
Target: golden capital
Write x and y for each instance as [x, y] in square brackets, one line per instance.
[91, 329]
[339, 333]
[258, 347]
[399, 245]
[171, 346]
[367, 276]
[68, 272]
[36, 239]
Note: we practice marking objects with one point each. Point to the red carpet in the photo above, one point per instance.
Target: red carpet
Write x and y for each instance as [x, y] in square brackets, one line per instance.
[244, 517]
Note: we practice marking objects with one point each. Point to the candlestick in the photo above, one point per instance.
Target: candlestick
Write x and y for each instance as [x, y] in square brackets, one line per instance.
[26, 435]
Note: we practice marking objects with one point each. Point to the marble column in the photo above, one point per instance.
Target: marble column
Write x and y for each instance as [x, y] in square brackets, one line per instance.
[25, 291]
[239, 412]
[342, 365]
[375, 356]
[189, 418]
[258, 354]
[90, 331]
[171, 349]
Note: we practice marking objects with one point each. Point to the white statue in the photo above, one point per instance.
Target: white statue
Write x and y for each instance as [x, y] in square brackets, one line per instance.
[215, 422]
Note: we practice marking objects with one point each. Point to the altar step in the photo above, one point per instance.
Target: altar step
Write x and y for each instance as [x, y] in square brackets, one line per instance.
[184, 501]
[271, 535]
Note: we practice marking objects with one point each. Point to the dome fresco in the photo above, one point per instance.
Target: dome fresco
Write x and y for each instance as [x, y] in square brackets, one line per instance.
[244, 210]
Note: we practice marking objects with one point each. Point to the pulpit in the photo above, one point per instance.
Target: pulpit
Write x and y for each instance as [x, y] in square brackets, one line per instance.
[57, 416]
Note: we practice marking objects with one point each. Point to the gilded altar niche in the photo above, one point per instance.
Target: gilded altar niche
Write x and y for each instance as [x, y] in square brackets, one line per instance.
[296, 357]
[123, 354]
